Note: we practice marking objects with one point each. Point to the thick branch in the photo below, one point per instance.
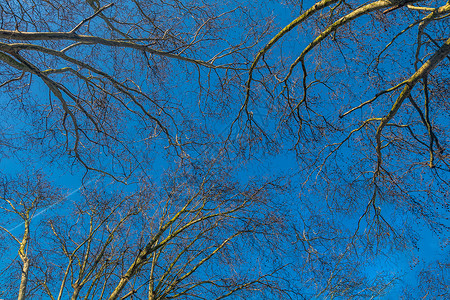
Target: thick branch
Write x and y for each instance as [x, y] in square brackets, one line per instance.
[429, 65]
[70, 36]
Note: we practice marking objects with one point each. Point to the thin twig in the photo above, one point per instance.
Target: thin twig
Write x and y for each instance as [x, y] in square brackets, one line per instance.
[91, 17]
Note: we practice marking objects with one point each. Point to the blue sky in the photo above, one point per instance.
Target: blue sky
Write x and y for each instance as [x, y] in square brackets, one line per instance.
[321, 201]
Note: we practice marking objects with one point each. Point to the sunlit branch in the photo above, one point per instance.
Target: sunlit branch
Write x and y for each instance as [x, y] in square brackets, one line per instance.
[44, 36]
[314, 9]
[429, 65]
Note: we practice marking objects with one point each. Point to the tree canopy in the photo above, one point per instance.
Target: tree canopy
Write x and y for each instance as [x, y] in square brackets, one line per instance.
[172, 149]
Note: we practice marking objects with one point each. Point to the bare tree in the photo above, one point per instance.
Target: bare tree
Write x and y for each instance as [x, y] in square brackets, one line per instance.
[432, 282]
[115, 69]
[22, 200]
[206, 109]
[191, 238]
[360, 101]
